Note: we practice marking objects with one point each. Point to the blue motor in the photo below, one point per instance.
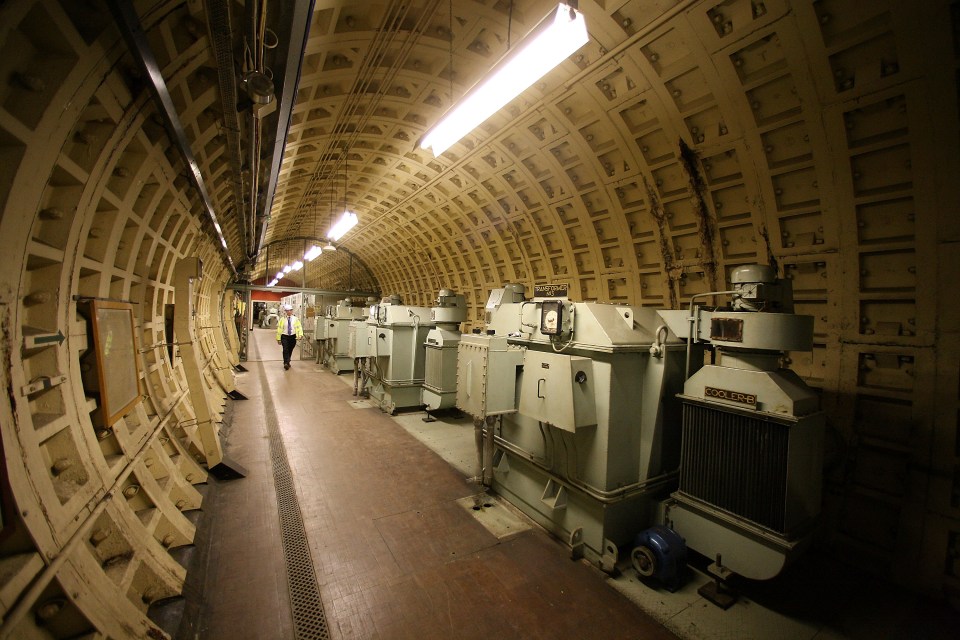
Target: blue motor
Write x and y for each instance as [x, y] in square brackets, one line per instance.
[660, 553]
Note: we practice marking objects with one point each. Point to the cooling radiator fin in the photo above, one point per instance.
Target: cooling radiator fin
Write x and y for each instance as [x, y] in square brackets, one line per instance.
[434, 372]
[736, 463]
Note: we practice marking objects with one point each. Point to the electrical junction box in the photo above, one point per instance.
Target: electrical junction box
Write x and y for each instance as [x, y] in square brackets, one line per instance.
[554, 318]
[320, 329]
[558, 389]
[487, 375]
[359, 345]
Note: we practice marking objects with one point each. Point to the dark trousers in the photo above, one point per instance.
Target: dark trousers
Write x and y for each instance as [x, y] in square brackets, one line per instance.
[288, 343]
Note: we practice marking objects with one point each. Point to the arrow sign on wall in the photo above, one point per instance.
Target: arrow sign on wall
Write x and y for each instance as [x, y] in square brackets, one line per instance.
[39, 340]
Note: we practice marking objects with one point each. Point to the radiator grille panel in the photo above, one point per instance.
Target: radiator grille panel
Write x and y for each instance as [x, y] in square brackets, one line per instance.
[737, 463]
[433, 376]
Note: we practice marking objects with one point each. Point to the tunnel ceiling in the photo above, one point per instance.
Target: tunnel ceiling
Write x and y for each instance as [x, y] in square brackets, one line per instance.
[683, 139]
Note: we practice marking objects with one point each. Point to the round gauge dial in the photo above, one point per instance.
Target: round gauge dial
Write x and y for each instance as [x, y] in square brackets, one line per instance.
[550, 320]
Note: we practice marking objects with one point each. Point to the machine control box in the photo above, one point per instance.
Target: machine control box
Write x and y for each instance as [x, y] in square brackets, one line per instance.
[558, 389]
[358, 337]
[320, 329]
[551, 317]
[555, 317]
[487, 375]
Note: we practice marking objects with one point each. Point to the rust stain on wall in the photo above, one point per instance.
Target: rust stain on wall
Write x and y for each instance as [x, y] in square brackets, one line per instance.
[705, 223]
[765, 236]
[673, 271]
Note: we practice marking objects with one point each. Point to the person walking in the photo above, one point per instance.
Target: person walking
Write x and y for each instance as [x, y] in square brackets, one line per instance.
[289, 330]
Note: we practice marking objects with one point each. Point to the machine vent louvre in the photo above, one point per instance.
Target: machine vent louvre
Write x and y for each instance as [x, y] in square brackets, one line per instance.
[736, 463]
[433, 377]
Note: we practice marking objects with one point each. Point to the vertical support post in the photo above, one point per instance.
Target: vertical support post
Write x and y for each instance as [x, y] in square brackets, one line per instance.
[186, 271]
[478, 441]
[247, 324]
[488, 451]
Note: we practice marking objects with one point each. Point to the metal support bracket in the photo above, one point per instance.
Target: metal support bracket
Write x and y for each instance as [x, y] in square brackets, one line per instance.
[716, 591]
[608, 561]
[228, 469]
[576, 543]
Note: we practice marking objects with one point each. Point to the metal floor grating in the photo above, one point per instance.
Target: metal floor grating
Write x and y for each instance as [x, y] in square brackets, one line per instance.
[309, 620]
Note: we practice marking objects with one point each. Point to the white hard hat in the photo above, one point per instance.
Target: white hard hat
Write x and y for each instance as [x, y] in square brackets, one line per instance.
[287, 307]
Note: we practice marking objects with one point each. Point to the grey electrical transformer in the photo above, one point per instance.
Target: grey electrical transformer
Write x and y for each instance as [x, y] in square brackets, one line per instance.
[333, 335]
[440, 374]
[396, 356]
[595, 438]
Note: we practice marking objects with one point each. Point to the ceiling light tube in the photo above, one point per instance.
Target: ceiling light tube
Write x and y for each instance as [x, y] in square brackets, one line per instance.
[552, 41]
[313, 252]
[346, 222]
[287, 269]
[279, 275]
[297, 265]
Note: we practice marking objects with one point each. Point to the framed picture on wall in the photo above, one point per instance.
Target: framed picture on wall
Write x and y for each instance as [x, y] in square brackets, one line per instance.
[118, 367]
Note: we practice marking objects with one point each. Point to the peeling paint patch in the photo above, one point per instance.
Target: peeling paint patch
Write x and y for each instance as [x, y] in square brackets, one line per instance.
[705, 223]
[673, 271]
[8, 360]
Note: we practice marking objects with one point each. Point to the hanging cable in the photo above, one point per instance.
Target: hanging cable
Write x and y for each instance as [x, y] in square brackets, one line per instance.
[394, 38]
[450, 47]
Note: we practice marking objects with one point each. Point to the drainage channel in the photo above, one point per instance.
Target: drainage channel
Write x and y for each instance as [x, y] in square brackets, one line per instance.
[309, 620]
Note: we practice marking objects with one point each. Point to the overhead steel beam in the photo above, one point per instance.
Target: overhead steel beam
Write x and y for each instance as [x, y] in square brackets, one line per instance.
[297, 39]
[320, 292]
[128, 22]
[221, 40]
[314, 240]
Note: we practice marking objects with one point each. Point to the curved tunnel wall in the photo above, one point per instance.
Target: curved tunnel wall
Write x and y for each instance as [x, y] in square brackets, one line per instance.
[684, 140]
[94, 206]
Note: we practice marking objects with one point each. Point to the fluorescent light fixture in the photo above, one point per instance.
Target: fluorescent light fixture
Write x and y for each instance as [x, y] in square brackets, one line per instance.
[287, 269]
[272, 283]
[346, 222]
[297, 265]
[313, 252]
[552, 41]
[278, 276]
